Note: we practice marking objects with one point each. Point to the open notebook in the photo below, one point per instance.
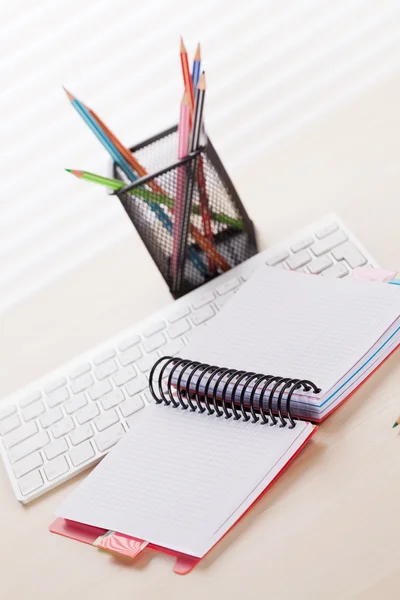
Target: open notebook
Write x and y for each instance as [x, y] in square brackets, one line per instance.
[180, 479]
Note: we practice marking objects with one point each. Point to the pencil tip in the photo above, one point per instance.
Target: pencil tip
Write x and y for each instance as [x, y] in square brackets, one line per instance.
[395, 424]
[202, 82]
[183, 49]
[70, 96]
[185, 99]
[197, 56]
[68, 170]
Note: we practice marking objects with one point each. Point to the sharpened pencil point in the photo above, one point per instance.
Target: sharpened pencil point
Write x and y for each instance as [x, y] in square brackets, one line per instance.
[68, 170]
[182, 48]
[185, 99]
[76, 172]
[395, 424]
[202, 82]
[197, 56]
[70, 96]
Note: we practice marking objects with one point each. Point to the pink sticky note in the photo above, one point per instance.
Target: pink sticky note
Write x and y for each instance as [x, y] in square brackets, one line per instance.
[373, 274]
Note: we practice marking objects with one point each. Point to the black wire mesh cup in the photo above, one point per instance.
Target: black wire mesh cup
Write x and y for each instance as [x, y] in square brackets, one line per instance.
[149, 202]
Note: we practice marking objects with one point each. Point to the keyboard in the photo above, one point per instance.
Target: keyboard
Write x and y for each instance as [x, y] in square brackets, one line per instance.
[69, 419]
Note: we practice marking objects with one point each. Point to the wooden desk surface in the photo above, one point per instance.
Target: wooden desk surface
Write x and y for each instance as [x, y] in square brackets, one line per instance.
[329, 528]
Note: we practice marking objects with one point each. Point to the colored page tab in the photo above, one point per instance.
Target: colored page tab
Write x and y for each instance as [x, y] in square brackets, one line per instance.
[373, 274]
[119, 543]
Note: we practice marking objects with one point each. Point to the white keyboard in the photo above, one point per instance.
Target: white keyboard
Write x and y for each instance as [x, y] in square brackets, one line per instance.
[69, 419]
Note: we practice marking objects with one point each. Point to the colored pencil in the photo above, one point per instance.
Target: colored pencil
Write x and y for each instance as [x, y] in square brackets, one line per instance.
[183, 145]
[203, 242]
[187, 79]
[187, 208]
[196, 68]
[140, 192]
[397, 422]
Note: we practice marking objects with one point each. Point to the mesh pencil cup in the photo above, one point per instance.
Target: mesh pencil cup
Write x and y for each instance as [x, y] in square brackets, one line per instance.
[228, 240]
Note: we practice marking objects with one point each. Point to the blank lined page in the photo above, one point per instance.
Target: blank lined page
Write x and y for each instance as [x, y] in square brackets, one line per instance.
[296, 325]
[181, 479]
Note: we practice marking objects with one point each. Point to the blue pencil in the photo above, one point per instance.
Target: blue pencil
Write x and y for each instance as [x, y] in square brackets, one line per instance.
[196, 68]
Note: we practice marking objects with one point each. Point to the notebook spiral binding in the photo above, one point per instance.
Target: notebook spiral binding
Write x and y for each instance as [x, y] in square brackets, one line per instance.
[172, 392]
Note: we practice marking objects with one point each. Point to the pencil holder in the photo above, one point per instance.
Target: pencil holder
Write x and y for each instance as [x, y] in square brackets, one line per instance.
[220, 234]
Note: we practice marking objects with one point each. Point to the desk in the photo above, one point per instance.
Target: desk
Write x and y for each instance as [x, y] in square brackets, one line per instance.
[328, 529]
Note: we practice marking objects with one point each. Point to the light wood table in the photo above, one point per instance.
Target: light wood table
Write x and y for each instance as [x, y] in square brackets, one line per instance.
[329, 528]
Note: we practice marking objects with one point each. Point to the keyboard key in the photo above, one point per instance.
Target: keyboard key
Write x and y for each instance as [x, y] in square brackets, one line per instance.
[81, 453]
[154, 328]
[106, 369]
[104, 356]
[112, 399]
[350, 254]
[9, 424]
[131, 405]
[223, 300]
[146, 363]
[75, 403]
[248, 271]
[19, 435]
[30, 482]
[202, 315]
[29, 399]
[7, 411]
[27, 464]
[172, 348]
[336, 270]
[81, 434]
[57, 397]
[202, 300]
[277, 258]
[129, 342]
[154, 342]
[109, 437]
[106, 420]
[56, 448]
[299, 260]
[87, 413]
[322, 233]
[319, 264]
[36, 442]
[178, 329]
[56, 467]
[99, 389]
[124, 375]
[182, 312]
[32, 411]
[329, 242]
[50, 417]
[78, 371]
[62, 427]
[82, 383]
[137, 385]
[54, 385]
[130, 356]
[228, 286]
[302, 244]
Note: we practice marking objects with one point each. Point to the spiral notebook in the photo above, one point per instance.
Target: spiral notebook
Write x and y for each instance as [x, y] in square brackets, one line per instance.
[286, 346]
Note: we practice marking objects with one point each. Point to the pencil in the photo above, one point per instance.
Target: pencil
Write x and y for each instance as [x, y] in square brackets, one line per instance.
[203, 242]
[187, 206]
[187, 78]
[117, 184]
[196, 68]
[183, 144]
[397, 422]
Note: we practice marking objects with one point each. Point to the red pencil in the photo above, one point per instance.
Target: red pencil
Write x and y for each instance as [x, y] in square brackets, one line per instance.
[187, 78]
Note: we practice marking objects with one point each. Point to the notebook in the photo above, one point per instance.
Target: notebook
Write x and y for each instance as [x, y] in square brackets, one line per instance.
[287, 346]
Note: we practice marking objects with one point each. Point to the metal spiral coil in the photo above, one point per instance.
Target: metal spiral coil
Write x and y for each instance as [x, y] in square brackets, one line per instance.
[212, 400]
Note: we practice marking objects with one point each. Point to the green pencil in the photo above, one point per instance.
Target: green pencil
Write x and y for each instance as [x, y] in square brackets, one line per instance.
[140, 192]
